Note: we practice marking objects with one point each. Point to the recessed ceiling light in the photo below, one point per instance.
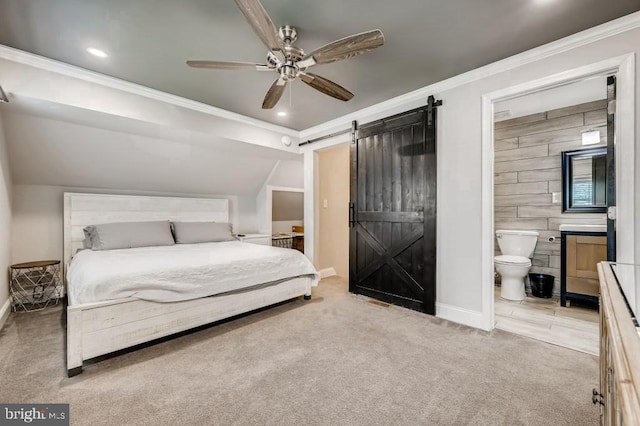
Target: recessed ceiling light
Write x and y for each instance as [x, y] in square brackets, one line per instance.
[282, 113]
[97, 52]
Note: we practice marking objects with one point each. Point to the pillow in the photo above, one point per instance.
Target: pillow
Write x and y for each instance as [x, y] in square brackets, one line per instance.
[201, 232]
[110, 236]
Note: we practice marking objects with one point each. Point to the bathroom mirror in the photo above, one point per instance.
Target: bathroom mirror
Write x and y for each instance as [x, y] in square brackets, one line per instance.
[584, 180]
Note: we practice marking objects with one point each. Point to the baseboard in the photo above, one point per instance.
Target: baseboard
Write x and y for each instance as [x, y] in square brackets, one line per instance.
[460, 315]
[4, 312]
[327, 272]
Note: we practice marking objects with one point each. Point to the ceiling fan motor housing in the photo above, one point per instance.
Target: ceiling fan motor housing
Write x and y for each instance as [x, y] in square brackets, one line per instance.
[288, 71]
[293, 53]
[288, 34]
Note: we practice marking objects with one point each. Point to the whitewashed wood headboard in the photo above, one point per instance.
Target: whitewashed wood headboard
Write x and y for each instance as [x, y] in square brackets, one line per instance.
[81, 210]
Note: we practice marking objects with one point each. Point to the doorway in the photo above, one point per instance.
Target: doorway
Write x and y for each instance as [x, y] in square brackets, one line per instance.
[287, 219]
[622, 67]
[532, 134]
[284, 216]
[333, 212]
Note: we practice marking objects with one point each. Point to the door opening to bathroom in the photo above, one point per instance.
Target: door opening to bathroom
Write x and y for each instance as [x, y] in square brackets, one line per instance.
[546, 252]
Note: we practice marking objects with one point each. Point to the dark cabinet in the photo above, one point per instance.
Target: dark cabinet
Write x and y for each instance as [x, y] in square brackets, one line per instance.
[298, 243]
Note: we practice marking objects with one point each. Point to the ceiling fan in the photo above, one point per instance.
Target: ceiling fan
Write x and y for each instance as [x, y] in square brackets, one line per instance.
[289, 61]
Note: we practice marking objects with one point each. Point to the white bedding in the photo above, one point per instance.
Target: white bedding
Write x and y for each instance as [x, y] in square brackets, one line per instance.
[180, 272]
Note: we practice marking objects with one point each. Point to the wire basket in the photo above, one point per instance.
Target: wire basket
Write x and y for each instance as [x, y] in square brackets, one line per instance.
[283, 242]
[35, 288]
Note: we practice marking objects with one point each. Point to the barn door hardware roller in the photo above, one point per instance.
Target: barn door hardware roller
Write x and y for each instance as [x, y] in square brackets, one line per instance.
[431, 105]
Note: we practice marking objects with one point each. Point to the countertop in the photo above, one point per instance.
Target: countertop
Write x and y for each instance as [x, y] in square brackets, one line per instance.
[628, 276]
[583, 228]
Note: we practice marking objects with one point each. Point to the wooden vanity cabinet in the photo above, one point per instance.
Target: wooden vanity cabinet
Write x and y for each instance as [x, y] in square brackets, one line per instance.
[581, 253]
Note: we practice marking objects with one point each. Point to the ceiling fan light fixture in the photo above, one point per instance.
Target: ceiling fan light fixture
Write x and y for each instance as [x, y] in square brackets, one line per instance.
[97, 52]
[291, 62]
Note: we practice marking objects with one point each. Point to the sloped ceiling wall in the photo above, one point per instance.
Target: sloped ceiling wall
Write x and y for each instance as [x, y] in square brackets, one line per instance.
[44, 151]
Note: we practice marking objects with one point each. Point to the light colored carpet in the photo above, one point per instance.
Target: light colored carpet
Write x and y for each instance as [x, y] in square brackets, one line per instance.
[336, 359]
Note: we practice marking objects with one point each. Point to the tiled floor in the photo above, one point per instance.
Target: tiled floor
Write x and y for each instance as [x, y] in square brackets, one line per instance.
[544, 319]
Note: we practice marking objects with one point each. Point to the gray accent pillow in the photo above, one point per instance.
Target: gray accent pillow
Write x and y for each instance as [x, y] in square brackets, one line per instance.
[110, 236]
[202, 232]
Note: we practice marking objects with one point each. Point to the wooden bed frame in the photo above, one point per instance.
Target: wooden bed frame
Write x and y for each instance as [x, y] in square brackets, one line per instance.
[95, 329]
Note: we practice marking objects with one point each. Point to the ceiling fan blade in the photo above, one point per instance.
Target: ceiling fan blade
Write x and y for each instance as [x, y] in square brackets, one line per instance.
[228, 65]
[343, 48]
[261, 23]
[274, 94]
[325, 86]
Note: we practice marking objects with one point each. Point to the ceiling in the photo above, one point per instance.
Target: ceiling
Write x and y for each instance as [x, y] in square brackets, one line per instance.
[148, 42]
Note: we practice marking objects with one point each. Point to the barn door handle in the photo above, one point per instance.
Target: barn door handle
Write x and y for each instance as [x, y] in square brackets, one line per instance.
[352, 215]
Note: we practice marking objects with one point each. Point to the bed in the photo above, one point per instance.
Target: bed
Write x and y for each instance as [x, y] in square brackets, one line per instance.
[115, 314]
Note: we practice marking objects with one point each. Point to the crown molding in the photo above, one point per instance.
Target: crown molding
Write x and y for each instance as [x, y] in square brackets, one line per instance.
[591, 35]
[51, 65]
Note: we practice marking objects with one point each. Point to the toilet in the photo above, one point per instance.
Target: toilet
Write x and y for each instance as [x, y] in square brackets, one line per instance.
[515, 261]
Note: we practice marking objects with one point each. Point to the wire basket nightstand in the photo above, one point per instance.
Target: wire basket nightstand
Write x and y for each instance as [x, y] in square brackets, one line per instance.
[35, 285]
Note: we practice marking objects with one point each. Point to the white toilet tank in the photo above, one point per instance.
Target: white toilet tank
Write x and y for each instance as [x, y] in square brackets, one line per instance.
[517, 243]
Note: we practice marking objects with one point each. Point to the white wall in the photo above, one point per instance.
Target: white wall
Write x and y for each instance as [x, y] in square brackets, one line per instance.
[36, 227]
[459, 221]
[247, 218]
[288, 173]
[50, 151]
[576, 93]
[5, 225]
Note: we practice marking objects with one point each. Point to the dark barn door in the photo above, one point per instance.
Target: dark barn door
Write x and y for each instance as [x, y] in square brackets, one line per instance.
[393, 211]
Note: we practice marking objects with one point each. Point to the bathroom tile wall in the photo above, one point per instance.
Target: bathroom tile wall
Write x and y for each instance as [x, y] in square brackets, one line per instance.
[528, 170]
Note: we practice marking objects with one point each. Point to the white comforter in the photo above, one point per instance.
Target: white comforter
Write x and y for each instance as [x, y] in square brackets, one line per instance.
[180, 272]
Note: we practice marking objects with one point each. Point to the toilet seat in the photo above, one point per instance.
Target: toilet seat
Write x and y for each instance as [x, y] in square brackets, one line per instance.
[506, 259]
